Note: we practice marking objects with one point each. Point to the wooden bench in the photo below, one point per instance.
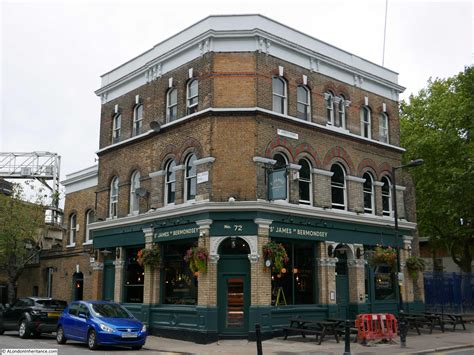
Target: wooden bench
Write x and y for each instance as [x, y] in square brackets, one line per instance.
[303, 332]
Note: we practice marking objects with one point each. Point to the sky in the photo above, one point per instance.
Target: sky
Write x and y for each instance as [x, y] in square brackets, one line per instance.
[53, 53]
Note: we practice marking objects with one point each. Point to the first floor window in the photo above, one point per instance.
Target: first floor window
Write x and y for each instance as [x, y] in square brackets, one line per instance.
[192, 93]
[117, 122]
[89, 220]
[179, 284]
[72, 229]
[191, 182]
[368, 193]
[137, 120]
[386, 196]
[133, 277]
[134, 185]
[329, 99]
[365, 122]
[170, 182]
[340, 121]
[383, 127]
[114, 186]
[279, 95]
[305, 182]
[172, 105]
[303, 106]
[338, 187]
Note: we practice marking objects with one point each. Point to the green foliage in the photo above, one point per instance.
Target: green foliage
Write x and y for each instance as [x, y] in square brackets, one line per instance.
[149, 257]
[277, 255]
[436, 125]
[383, 256]
[196, 258]
[415, 264]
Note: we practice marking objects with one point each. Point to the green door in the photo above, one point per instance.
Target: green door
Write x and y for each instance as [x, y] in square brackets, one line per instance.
[233, 296]
[109, 281]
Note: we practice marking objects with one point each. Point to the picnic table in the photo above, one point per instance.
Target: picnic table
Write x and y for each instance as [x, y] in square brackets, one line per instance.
[319, 328]
[450, 318]
[341, 327]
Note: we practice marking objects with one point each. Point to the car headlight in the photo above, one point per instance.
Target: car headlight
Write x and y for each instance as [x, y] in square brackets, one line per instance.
[106, 328]
[144, 328]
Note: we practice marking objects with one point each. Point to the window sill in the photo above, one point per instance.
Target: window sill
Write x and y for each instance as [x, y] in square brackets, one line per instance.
[89, 242]
[71, 245]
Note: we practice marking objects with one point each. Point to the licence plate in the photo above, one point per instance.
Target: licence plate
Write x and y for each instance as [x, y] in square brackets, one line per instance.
[129, 335]
[53, 314]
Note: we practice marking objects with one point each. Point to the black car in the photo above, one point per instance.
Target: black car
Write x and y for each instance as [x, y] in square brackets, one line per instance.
[31, 316]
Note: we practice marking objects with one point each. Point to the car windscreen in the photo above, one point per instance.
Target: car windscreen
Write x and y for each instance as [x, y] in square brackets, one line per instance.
[103, 310]
[57, 304]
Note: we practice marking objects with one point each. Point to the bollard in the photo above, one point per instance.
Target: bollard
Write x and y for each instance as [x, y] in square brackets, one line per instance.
[258, 337]
[403, 329]
[347, 338]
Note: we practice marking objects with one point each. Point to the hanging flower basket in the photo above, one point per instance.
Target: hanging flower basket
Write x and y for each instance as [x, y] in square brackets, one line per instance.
[275, 256]
[196, 257]
[149, 257]
[414, 265]
[383, 256]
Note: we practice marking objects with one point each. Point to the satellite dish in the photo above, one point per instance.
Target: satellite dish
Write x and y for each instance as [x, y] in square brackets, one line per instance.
[141, 191]
[155, 125]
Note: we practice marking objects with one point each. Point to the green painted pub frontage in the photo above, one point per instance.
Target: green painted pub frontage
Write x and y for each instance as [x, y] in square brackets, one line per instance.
[327, 275]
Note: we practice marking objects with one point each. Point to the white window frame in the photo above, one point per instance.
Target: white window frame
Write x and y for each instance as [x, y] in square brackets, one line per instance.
[192, 107]
[329, 103]
[169, 182]
[281, 98]
[383, 128]
[368, 176]
[116, 125]
[134, 185]
[344, 188]
[190, 179]
[137, 119]
[89, 218]
[72, 229]
[306, 181]
[388, 196]
[341, 112]
[170, 106]
[113, 199]
[286, 175]
[306, 104]
[366, 121]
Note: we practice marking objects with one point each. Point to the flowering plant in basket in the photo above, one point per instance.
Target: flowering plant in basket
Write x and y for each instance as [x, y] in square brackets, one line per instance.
[415, 264]
[149, 257]
[196, 257]
[276, 254]
[382, 255]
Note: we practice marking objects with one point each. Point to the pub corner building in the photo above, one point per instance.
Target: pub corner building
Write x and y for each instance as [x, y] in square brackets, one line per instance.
[236, 132]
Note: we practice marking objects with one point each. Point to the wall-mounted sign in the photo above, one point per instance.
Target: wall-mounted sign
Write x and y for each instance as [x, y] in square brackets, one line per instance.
[283, 133]
[177, 232]
[277, 186]
[231, 228]
[202, 177]
[297, 231]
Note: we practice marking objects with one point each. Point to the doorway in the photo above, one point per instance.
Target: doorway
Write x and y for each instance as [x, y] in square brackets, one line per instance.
[77, 286]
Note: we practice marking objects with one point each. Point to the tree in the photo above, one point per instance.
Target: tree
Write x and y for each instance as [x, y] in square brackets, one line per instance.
[22, 227]
[436, 125]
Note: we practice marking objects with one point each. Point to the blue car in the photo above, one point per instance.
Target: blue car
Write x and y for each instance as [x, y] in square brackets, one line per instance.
[100, 323]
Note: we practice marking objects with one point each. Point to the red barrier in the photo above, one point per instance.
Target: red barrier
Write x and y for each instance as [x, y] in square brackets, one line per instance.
[376, 327]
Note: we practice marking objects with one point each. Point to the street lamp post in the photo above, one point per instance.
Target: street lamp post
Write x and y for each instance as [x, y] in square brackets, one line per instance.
[402, 325]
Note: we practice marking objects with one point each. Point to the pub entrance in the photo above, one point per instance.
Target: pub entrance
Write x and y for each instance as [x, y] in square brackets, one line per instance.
[233, 288]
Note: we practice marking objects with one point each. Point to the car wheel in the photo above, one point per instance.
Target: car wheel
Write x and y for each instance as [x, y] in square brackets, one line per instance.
[137, 347]
[23, 331]
[92, 340]
[60, 338]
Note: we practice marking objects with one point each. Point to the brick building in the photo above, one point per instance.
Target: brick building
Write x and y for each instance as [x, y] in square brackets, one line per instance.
[235, 132]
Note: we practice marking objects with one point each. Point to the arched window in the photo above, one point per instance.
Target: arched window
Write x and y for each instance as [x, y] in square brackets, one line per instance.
[338, 187]
[192, 96]
[303, 105]
[113, 202]
[137, 120]
[305, 182]
[386, 196]
[116, 124]
[365, 122]
[72, 229]
[329, 99]
[170, 182]
[279, 95]
[190, 184]
[369, 194]
[281, 179]
[89, 219]
[134, 185]
[340, 120]
[383, 127]
[171, 105]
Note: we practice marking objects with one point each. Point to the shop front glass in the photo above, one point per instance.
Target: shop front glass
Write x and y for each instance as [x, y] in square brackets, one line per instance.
[133, 277]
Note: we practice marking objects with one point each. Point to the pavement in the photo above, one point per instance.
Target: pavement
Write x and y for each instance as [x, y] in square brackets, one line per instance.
[436, 343]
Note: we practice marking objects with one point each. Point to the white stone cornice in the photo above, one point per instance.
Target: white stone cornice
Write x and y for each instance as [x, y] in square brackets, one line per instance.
[322, 172]
[400, 188]
[157, 173]
[263, 223]
[356, 263]
[326, 261]
[294, 166]
[148, 232]
[204, 224]
[378, 183]
[355, 178]
[97, 266]
[264, 160]
[178, 167]
[119, 264]
[205, 160]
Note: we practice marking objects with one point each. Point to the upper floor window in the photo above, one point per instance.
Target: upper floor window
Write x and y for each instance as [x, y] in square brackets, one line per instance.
[192, 96]
[305, 182]
[117, 121]
[279, 95]
[89, 219]
[386, 196]
[134, 185]
[365, 122]
[340, 119]
[137, 120]
[170, 182]
[329, 100]
[113, 202]
[368, 193]
[191, 182]
[338, 187]
[282, 178]
[303, 105]
[172, 104]
[72, 229]
[383, 127]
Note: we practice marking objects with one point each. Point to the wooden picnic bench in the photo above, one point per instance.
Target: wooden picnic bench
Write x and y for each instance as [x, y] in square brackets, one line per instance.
[450, 318]
[318, 328]
[341, 327]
